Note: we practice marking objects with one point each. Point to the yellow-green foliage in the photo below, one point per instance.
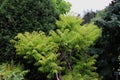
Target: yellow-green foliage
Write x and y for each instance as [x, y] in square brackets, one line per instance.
[67, 44]
[9, 71]
[38, 48]
[70, 33]
[82, 69]
[76, 40]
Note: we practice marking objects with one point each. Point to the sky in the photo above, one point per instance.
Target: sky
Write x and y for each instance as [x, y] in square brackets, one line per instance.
[82, 6]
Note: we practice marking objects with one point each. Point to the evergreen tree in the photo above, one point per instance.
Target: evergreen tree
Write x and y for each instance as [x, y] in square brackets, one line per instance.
[26, 15]
[74, 40]
[88, 17]
[63, 53]
[108, 46]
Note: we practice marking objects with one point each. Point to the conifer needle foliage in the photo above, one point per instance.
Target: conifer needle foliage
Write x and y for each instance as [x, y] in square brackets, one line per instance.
[39, 49]
[64, 52]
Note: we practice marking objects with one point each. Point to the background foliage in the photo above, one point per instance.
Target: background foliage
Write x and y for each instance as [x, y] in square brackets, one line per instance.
[26, 15]
[108, 46]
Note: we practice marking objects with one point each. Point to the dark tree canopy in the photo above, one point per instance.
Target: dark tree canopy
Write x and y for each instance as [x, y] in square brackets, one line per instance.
[109, 44]
[88, 16]
[27, 15]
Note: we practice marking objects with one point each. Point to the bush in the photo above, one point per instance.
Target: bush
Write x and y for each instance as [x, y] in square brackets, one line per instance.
[39, 49]
[26, 15]
[64, 52]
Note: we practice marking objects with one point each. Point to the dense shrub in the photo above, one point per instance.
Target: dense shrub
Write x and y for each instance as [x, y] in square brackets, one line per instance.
[40, 50]
[26, 15]
[63, 53]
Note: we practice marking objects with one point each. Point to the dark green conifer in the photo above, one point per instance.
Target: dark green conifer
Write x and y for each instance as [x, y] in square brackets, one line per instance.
[26, 15]
[109, 44]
